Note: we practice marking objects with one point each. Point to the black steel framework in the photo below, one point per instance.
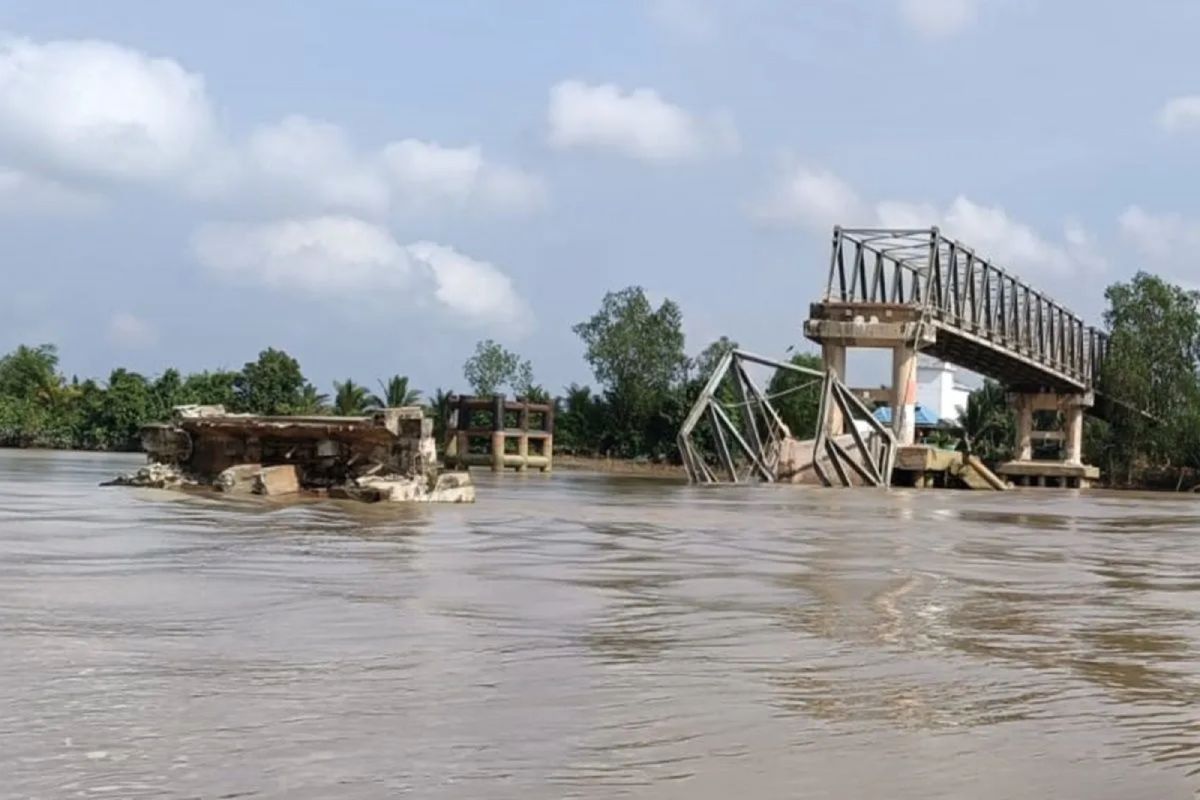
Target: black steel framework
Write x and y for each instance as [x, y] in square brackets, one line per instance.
[987, 319]
[751, 450]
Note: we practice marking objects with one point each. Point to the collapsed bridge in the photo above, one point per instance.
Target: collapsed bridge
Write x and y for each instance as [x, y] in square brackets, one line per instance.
[916, 290]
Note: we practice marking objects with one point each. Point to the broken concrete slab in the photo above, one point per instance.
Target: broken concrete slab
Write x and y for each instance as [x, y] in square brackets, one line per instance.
[388, 454]
[453, 487]
[282, 479]
[151, 476]
[238, 479]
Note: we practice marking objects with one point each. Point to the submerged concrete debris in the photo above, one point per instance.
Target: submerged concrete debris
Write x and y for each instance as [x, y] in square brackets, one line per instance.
[387, 455]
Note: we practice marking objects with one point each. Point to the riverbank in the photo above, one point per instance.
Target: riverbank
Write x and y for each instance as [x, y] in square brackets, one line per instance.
[618, 466]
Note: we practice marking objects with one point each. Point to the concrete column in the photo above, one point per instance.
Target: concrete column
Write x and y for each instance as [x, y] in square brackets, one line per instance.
[498, 410]
[834, 358]
[1074, 415]
[1024, 428]
[904, 394]
[523, 450]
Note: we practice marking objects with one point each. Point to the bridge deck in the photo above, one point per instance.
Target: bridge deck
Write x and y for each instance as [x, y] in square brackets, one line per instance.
[979, 316]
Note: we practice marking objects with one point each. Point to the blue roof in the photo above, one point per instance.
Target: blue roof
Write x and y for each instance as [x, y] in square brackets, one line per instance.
[924, 417]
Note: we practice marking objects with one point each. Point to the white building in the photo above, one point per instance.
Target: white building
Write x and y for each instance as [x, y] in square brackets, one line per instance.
[938, 389]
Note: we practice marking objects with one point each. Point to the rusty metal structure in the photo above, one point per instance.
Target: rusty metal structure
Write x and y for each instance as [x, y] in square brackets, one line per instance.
[977, 314]
[916, 290]
[749, 441]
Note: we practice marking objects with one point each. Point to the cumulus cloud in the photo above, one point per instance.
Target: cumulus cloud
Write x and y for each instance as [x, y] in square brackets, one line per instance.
[426, 174]
[1159, 236]
[313, 163]
[810, 197]
[637, 124]
[936, 19]
[97, 110]
[817, 199]
[81, 117]
[994, 234]
[342, 258]
[127, 330]
[1180, 114]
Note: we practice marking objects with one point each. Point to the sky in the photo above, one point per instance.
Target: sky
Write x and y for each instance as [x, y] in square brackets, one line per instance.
[376, 186]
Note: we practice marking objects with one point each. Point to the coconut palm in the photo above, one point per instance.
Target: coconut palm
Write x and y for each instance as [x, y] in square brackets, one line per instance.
[349, 398]
[986, 422]
[396, 393]
[311, 401]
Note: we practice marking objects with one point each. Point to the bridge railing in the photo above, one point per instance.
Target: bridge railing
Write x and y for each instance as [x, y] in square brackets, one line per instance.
[923, 269]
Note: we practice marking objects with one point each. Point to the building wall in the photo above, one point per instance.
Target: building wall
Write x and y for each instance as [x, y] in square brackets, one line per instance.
[937, 390]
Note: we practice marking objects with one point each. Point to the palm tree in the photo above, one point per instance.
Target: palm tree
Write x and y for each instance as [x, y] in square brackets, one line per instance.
[439, 408]
[986, 422]
[396, 393]
[311, 401]
[349, 398]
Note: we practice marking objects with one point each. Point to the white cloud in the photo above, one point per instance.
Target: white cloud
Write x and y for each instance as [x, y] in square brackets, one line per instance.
[810, 197]
[427, 174]
[993, 234]
[340, 259]
[94, 109]
[638, 124]
[1180, 114]
[474, 289]
[127, 330]
[817, 199]
[312, 163]
[936, 19]
[80, 118]
[1159, 236]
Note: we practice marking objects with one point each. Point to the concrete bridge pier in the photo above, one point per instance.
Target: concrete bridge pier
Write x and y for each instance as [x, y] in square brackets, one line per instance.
[833, 358]
[888, 327]
[904, 394]
[1023, 470]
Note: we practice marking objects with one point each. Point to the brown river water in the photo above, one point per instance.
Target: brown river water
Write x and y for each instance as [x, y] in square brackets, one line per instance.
[595, 636]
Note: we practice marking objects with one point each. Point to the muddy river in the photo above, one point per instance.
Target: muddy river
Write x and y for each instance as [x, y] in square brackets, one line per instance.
[595, 636]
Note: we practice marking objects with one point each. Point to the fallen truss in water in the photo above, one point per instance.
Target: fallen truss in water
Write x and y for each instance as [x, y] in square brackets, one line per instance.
[747, 440]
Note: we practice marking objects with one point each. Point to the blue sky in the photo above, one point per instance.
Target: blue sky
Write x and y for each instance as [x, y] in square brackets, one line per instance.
[375, 186]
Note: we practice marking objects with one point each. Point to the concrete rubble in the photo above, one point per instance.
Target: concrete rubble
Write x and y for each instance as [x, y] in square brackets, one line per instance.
[388, 455]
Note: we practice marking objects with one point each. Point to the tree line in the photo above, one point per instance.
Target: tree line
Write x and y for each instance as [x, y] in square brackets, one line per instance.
[645, 383]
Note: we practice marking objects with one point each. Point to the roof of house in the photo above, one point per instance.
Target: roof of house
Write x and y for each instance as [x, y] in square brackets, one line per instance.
[923, 416]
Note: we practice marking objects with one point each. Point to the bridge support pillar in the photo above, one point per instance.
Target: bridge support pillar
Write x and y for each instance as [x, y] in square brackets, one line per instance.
[1073, 411]
[1024, 403]
[1070, 471]
[904, 394]
[833, 357]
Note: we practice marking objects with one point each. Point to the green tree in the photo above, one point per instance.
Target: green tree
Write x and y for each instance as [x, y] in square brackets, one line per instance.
[580, 421]
[273, 384]
[439, 408]
[127, 404]
[636, 353]
[1150, 367]
[705, 363]
[796, 396]
[210, 389]
[349, 398]
[396, 393]
[492, 367]
[312, 402]
[987, 423]
[31, 373]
